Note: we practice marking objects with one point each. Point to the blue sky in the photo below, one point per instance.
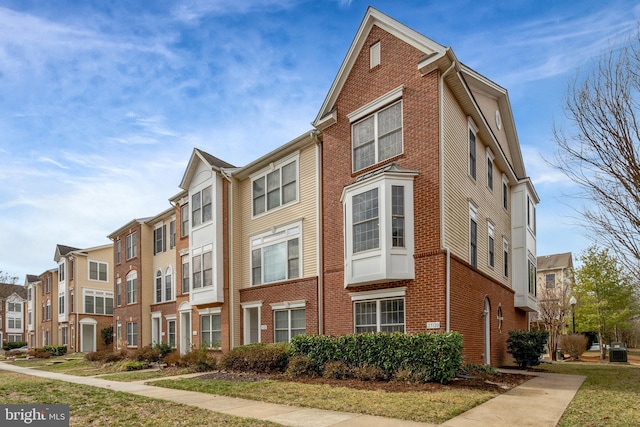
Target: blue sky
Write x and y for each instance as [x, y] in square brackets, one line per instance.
[102, 103]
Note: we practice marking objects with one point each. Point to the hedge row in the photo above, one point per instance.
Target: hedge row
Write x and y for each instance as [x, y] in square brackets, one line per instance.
[437, 357]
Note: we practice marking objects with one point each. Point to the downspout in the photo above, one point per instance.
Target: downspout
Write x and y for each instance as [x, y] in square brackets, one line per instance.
[231, 267]
[319, 245]
[442, 228]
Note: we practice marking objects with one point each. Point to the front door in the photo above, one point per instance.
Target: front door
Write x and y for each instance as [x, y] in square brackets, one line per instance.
[88, 338]
[185, 332]
[251, 325]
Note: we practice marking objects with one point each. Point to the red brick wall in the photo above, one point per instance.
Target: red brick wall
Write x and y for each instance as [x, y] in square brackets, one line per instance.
[303, 289]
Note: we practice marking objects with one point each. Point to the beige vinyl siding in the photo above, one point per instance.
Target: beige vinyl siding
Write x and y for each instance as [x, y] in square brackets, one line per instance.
[488, 106]
[460, 188]
[304, 210]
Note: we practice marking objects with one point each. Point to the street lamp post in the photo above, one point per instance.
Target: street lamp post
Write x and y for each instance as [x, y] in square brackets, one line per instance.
[572, 303]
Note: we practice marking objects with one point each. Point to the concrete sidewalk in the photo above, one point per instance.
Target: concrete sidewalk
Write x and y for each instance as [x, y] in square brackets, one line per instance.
[539, 402]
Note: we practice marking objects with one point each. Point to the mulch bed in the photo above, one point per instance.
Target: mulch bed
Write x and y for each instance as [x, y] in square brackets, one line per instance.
[500, 382]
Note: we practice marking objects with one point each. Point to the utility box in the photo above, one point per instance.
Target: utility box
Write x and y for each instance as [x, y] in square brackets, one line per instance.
[617, 352]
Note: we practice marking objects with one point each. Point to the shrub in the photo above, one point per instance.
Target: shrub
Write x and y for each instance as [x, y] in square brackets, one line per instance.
[106, 356]
[198, 359]
[301, 366]
[96, 356]
[337, 370]
[172, 359]
[476, 370]
[40, 353]
[164, 348]
[107, 335]
[134, 365]
[574, 345]
[434, 356]
[526, 347]
[146, 354]
[14, 344]
[56, 350]
[369, 373]
[259, 357]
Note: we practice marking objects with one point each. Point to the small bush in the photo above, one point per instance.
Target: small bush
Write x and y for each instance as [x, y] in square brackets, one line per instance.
[106, 356]
[96, 356]
[369, 373]
[477, 370]
[259, 357]
[133, 365]
[172, 359]
[337, 370]
[574, 345]
[198, 359]
[146, 354]
[14, 344]
[417, 376]
[163, 348]
[526, 347]
[56, 350]
[301, 366]
[40, 353]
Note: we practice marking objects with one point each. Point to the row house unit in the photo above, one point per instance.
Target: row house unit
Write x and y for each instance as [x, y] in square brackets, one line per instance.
[70, 305]
[13, 300]
[406, 208]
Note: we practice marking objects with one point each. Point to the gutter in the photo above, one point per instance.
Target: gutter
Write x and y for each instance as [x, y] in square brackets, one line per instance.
[231, 266]
[319, 236]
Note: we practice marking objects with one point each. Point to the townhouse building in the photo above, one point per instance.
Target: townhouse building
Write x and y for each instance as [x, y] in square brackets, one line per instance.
[555, 272]
[13, 300]
[34, 300]
[84, 298]
[428, 216]
[45, 309]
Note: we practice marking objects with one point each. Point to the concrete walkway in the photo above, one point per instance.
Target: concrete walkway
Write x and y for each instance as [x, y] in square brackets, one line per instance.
[539, 402]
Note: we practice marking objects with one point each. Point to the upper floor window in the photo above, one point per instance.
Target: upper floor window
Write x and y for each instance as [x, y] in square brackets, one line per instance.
[160, 239]
[276, 256]
[118, 251]
[276, 188]
[490, 159]
[118, 292]
[159, 286]
[185, 274]
[61, 304]
[550, 280]
[132, 287]
[505, 193]
[98, 302]
[168, 284]
[473, 235]
[366, 224]
[472, 154]
[505, 256]
[132, 245]
[531, 214]
[184, 217]
[47, 284]
[15, 307]
[61, 272]
[98, 270]
[532, 278]
[201, 206]
[202, 264]
[374, 55]
[377, 137]
[172, 234]
[491, 244]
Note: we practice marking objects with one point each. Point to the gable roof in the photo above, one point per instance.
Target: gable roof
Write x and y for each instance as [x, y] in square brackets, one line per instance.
[555, 261]
[6, 290]
[62, 250]
[462, 80]
[200, 156]
[128, 225]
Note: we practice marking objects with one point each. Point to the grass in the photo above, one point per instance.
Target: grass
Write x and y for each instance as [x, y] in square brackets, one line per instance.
[92, 406]
[608, 397]
[433, 407]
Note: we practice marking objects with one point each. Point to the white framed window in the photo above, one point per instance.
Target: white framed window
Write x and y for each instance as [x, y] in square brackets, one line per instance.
[159, 239]
[118, 291]
[14, 338]
[64, 333]
[490, 159]
[158, 286]
[185, 274]
[98, 302]
[211, 330]
[172, 234]
[132, 287]
[288, 323]
[171, 332]
[132, 334]
[202, 265]
[505, 256]
[168, 284]
[118, 251]
[532, 277]
[14, 307]
[276, 187]
[276, 256]
[550, 280]
[505, 193]
[98, 271]
[61, 304]
[491, 258]
[473, 152]
[531, 215]
[201, 206]
[131, 245]
[377, 137]
[379, 310]
[374, 55]
[61, 272]
[118, 334]
[14, 323]
[184, 217]
[473, 235]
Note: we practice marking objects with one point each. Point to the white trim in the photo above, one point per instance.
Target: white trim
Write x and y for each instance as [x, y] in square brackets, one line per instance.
[378, 294]
[289, 305]
[206, 311]
[252, 304]
[376, 104]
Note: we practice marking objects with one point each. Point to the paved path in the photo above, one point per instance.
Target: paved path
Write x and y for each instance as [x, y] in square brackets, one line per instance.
[539, 402]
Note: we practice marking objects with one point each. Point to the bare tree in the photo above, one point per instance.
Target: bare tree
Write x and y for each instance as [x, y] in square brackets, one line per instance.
[552, 307]
[601, 152]
[7, 278]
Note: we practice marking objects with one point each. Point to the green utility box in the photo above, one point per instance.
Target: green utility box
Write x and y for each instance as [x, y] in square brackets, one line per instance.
[617, 352]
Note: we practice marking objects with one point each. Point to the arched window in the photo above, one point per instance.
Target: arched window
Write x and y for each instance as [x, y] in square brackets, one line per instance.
[168, 284]
[159, 286]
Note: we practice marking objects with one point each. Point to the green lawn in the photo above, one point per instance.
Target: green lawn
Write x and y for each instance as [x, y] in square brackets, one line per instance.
[92, 406]
[610, 396]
